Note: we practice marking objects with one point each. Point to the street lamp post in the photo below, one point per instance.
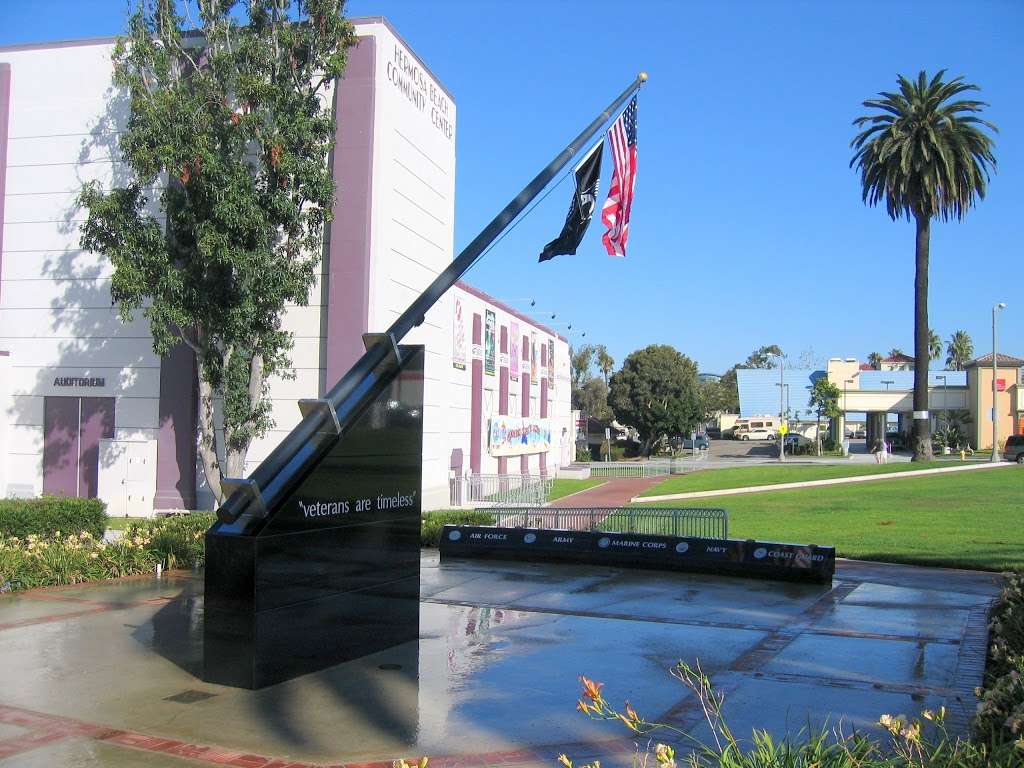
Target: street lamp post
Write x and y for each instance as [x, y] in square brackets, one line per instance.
[846, 410]
[995, 370]
[782, 399]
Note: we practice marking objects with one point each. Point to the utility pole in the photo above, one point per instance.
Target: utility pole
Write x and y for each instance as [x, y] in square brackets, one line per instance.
[995, 370]
[782, 402]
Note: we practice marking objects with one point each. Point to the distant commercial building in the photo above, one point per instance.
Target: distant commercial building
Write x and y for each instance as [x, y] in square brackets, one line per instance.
[87, 408]
[880, 397]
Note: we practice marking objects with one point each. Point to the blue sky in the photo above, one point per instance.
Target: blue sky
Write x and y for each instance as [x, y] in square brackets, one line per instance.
[748, 227]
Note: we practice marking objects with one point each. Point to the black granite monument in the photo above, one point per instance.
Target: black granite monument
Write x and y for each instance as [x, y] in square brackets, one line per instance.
[333, 573]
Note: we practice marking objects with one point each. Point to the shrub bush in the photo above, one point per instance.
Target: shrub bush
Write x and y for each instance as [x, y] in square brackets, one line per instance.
[49, 515]
[433, 522]
[1000, 716]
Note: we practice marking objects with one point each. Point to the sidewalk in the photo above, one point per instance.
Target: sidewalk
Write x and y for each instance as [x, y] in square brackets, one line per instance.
[617, 492]
[818, 483]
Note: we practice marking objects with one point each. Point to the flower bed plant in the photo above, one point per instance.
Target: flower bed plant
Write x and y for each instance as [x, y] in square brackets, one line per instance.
[1000, 716]
[70, 558]
[79, 556]
[908, 743]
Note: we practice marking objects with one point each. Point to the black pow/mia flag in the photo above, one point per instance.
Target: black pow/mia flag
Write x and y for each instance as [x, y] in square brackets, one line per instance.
[588, 177]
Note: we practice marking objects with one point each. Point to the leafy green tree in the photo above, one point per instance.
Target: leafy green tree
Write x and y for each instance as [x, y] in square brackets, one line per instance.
[824, 401]
[934, 345]
[729, 392]
[875, 360]
[656, 391]
[594, 400]
[959, 350]
[763, 357]
[715, 397]
[581, 361]
[925, 153]
[228, 139]
[605, 362]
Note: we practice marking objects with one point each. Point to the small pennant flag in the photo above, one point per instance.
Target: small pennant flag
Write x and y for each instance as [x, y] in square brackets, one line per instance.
[615, 214]
[588, 178]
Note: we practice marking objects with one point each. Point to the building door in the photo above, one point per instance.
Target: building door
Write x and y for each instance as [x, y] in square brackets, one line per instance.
[72, 430]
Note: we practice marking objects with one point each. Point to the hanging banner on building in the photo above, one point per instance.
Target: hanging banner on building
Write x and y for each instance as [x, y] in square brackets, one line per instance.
[551, 362]
[515, 352]
[534, 359]
[517, 435]
[489, 327]
[458, 337]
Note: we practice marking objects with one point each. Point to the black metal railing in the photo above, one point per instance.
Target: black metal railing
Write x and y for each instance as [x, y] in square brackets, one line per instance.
[696, 522]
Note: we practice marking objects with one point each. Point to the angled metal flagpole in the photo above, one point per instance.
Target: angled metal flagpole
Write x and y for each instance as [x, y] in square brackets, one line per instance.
[281, 471]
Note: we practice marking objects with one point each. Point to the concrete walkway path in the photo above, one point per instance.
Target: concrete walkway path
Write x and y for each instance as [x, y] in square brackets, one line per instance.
[617, 492]
[817, 483]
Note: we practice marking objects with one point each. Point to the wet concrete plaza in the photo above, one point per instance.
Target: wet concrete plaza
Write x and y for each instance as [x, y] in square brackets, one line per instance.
[107, 674]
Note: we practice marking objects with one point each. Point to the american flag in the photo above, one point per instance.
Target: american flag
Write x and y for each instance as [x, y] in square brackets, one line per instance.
[615, 213]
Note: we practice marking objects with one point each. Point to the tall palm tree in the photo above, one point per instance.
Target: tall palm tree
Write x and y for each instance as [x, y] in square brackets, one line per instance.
[934, 345]
[875, 360]
[605, 362]
[925, 155]
[959, 351]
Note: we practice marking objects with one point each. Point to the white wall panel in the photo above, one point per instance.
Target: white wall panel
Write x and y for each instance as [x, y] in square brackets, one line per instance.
[53, 264]
[82, 353]
[33, 293]
[25, 439]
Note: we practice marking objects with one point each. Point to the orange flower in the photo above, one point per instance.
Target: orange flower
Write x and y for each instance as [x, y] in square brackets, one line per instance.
[629, 723]
[591, 689]
[631, 713]
[581, 705]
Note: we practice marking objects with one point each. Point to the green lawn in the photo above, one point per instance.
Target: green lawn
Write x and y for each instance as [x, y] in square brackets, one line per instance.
[773, 474]
[565, 487]
[966, 520]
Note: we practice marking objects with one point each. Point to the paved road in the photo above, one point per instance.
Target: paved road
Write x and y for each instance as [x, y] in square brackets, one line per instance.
[615, 493]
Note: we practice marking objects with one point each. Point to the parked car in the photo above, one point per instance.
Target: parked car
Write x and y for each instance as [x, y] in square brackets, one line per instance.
[859, 434]
[758, 434]
[700, 442]
[714, 433]
[1014, 449]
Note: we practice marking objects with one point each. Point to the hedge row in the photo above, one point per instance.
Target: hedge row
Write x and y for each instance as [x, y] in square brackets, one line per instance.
[48, 515]
[433, 522]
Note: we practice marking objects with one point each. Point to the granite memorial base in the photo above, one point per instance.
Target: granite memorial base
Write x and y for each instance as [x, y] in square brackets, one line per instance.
[759, 559]
[333, 573]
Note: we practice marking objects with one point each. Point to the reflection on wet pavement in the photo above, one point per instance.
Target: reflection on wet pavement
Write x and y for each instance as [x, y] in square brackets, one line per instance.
[106, 674]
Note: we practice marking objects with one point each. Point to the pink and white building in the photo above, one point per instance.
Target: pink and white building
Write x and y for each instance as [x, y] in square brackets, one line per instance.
[87, 408]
